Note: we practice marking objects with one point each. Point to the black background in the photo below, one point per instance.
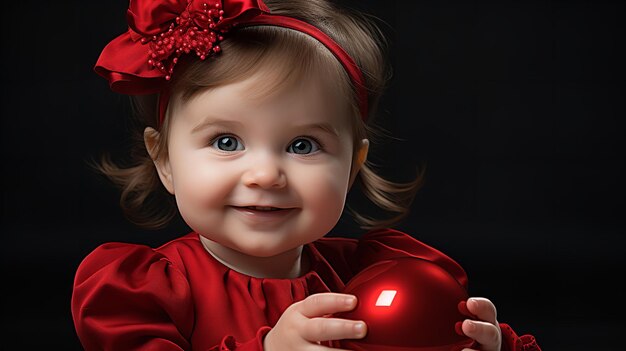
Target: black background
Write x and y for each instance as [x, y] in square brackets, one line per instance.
[515, 107]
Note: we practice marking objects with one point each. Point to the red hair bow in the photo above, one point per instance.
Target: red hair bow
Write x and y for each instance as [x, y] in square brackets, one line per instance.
[141, 60]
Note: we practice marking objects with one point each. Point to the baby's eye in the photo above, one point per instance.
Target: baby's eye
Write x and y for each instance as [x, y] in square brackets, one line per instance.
[303, 146]
[227, 143]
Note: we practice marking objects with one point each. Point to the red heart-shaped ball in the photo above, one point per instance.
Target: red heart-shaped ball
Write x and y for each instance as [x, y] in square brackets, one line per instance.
[408, 304]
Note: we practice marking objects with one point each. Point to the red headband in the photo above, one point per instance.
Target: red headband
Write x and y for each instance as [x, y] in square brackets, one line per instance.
[142, 60]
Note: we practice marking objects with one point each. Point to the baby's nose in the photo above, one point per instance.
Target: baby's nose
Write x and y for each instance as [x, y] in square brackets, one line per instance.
[266, 174]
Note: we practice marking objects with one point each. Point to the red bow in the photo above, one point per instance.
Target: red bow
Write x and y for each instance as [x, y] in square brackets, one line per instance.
[141, 60]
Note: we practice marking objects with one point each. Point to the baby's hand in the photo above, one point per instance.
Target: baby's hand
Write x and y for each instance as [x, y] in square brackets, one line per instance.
[303, 325]
[486, 331]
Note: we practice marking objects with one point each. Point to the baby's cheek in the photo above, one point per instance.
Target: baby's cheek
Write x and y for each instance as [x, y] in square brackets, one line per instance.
[326, 197]
[197, 195]
[206, 186]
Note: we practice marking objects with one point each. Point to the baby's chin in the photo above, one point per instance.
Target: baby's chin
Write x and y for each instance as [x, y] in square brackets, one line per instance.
[258, 258]
[266, 245]
[255, 248]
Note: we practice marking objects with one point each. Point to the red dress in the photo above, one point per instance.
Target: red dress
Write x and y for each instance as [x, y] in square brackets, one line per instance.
[179, 297]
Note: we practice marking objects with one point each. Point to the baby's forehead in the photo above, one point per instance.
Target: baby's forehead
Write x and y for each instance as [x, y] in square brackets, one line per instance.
[252, 101]
[268, 85]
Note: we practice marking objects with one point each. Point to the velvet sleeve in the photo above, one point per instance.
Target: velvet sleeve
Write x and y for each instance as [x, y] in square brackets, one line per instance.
[512, 342]
[128, 297]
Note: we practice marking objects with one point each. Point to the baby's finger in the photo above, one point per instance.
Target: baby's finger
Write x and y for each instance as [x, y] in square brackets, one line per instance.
[486, 334]
[318, 305]
[322, 329]
[483, 308]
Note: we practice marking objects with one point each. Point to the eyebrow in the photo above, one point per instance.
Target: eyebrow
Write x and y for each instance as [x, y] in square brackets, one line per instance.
[211, 121]
[324, 127]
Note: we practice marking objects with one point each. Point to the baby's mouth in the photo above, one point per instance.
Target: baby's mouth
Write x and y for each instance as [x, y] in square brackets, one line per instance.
[263, 208]
[264, 213]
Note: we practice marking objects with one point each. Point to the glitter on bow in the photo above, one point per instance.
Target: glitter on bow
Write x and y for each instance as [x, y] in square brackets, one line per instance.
[194, 30]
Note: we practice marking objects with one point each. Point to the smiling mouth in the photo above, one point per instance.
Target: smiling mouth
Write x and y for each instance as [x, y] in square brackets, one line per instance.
[263, 208]
[264, 214]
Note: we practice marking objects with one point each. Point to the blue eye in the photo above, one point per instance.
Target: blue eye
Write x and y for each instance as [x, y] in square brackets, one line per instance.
[227, 143]
[303, 146]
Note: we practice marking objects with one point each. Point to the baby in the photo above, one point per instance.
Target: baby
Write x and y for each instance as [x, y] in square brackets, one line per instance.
[254, 127]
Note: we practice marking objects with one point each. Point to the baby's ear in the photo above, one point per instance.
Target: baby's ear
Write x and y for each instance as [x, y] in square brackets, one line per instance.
[359, 159]
[151, 138]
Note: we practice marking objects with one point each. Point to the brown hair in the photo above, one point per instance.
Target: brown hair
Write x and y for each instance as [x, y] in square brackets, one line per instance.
[290, 55]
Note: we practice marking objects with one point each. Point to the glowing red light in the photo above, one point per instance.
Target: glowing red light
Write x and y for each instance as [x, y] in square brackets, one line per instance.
[386, 297]
[407, 304]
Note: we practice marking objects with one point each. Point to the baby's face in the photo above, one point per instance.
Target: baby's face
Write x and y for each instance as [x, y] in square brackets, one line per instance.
[260, 176]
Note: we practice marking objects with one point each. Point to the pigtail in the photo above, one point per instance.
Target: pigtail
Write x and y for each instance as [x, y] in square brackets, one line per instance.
[387, 195]
[143, 199]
